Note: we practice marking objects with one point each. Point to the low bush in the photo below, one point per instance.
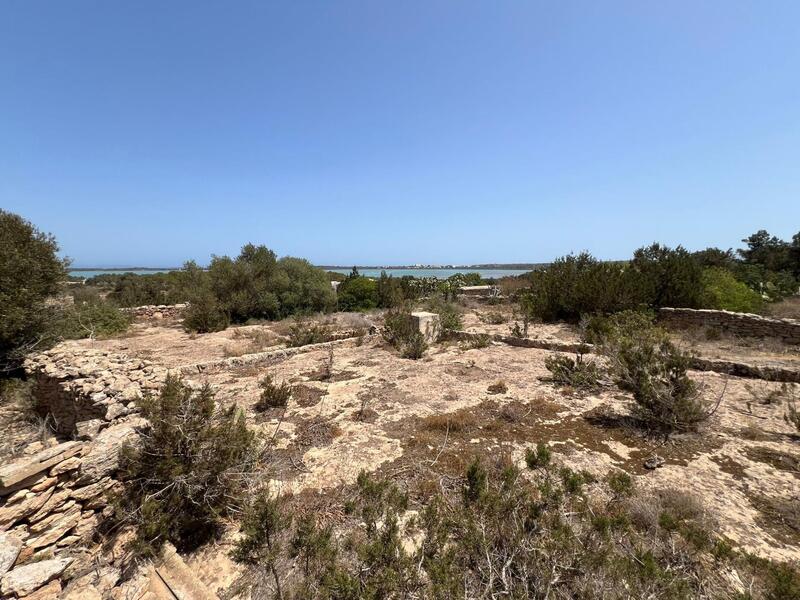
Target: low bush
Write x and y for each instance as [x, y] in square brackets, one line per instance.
[303, 333]
[478, 340]
[647, 364]
[450, 318]
[415, 346]
[493, 318]
[596, 329]
[577, 373]
[498, 387]
[722, 291]
[399, 331]
[273, 395]
[98, 319]
[187, 470]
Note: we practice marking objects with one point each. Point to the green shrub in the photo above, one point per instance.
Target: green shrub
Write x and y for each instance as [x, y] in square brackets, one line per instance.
[721, 290]
[303, 333]
[204, 313]
[666, 277]
[539, 457]
[450, 319]
[596, 329]
[30, 272]
[357, 294]
[497, 534]
[256, 285]
[577, 372]
[273, 395]
[92, 320]
[647, 364]
[398, 326]
[187, 470]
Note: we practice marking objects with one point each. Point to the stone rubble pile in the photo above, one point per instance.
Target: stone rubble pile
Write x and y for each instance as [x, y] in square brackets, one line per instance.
[51, 504]
[84, 389]
[742, 324]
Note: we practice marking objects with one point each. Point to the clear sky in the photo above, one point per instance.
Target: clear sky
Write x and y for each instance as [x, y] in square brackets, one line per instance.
[150, 132]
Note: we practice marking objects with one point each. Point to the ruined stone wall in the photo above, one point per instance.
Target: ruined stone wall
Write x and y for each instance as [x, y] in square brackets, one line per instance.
[82, 390]
[53, 502]
[51, 506]
[742, 324]
[157, 311]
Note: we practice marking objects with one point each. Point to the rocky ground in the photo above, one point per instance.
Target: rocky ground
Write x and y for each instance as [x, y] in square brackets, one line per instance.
[418, 421]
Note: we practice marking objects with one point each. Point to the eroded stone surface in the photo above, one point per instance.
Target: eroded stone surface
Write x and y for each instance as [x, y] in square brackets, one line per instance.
[27, 578]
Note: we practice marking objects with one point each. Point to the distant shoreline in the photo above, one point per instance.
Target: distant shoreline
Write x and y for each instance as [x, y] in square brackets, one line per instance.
[486, 267]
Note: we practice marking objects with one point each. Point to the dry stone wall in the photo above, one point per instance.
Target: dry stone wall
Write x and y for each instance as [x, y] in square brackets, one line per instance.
[51, 506]
[83, 389]
[157, 311]
[742, 324]
[53, 502]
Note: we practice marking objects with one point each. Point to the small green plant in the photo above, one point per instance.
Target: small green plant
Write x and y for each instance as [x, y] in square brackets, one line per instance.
[476, 482]
[397, 326]
[450, 319]
[518, 331]
[415, 346]
[493, 318]
[478, 341]
[539, 457]
[263, 524]
[273, 395]
[577, 373]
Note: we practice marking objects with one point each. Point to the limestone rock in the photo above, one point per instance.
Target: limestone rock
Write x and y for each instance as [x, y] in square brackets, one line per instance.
[87, 430]
[68, 465]
[23, 472]
[31, 504]
[46, 483]
[10, 546]
[55, 502]
[103, 456]
[57, 528]
[27, 578]
[49, 592]
[92, 490]
[115, 411]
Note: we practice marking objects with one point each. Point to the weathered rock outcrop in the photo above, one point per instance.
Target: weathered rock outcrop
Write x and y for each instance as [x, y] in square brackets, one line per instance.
[28, 578]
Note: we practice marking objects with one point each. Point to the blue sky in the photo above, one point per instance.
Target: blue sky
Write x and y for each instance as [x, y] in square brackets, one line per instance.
[147, 133]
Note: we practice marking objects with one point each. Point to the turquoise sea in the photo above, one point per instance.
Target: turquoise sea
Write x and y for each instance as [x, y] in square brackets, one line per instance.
[440, 273]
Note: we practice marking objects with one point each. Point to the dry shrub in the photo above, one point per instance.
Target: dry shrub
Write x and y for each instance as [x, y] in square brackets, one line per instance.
[498, 387]
[455, 422]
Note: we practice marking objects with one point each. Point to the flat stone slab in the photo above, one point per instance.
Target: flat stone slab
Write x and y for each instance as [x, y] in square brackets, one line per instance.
[28, 578]
[14, 476]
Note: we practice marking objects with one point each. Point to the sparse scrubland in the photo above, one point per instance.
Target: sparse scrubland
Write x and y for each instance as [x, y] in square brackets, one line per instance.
[310, 453]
